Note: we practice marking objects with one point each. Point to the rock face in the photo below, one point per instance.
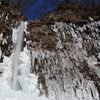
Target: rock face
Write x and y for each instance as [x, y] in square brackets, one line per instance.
[68, 67]
[65, 56]
[71, 13]
[9, 17]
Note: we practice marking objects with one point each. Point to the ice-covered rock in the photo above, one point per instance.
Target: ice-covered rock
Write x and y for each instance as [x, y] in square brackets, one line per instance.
[67, 71]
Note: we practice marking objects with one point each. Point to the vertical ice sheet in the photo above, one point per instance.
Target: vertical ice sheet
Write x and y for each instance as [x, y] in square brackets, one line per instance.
[18, 47]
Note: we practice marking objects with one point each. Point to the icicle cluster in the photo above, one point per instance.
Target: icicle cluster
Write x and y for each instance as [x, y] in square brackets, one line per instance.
[68, 69]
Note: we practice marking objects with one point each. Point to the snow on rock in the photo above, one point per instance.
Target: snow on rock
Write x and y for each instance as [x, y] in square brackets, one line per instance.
[68, 71]
[26, 32]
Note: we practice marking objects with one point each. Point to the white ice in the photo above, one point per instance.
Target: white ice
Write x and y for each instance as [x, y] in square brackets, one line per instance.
[28, 81]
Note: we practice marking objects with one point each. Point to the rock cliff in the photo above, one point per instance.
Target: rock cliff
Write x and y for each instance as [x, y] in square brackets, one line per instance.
[65, 55]
[9, 18]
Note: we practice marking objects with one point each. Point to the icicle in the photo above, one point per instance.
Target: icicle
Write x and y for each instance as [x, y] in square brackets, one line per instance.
[0, 53]
[14, 35]
[33, 58]
[64, 36]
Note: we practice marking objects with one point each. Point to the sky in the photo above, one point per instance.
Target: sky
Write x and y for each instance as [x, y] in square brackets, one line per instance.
[39, 9]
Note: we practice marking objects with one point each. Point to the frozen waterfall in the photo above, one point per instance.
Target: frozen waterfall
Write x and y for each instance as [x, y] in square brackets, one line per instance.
[18, 46]
[67, 72]
[17, 73]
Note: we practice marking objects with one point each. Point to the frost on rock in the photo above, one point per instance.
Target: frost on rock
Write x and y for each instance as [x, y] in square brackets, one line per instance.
[59, 77]
[68, 72]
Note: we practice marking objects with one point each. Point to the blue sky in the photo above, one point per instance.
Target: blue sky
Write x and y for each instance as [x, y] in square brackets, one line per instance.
[39, 9]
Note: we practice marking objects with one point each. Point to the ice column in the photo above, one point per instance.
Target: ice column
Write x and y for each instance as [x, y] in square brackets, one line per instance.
[16, 85]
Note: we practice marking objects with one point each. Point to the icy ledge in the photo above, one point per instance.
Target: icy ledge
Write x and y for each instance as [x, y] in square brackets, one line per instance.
[28, 81]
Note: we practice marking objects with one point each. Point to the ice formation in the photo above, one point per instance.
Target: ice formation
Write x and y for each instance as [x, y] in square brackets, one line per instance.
[69, 72]
[26, 80]
[18, 45]
[66, 68]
